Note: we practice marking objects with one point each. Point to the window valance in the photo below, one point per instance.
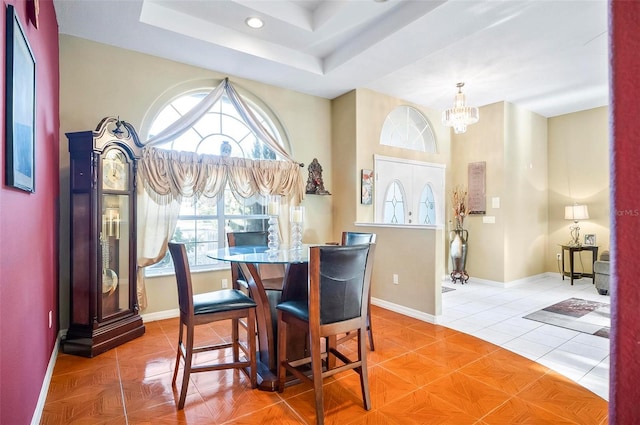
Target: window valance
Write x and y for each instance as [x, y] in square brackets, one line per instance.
[169, 176]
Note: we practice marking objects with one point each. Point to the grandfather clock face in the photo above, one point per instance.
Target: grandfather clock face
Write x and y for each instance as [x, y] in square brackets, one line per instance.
[115, 172]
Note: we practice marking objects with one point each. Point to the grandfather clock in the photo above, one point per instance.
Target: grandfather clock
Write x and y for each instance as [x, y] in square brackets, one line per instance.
[104, 304]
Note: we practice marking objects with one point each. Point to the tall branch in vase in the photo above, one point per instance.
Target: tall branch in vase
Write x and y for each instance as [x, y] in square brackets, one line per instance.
[459, 205]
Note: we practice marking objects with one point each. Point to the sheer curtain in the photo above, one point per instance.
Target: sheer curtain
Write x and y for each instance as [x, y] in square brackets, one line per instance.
[166, 177]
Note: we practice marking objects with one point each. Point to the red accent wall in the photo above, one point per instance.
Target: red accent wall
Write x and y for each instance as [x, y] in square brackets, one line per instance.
[624, 405]
[28, 233]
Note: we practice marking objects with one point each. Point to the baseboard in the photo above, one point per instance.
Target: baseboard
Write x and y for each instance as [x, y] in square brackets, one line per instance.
[160, 315]
[420, 315]
[44, 390]
[513, 283]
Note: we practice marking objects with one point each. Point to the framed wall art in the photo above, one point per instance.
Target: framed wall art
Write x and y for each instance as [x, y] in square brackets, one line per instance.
[366, 187]
[20, 113]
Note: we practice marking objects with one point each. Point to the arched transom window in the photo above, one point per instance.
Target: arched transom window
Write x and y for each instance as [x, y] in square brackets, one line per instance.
[406, 127]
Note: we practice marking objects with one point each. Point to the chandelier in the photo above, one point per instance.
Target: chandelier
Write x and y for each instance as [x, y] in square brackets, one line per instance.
[460, 116]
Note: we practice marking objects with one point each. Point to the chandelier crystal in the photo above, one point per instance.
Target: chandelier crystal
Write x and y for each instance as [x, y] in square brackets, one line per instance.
[460, 116]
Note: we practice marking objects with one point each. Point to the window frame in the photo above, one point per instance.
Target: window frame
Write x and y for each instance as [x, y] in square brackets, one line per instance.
[271, 122]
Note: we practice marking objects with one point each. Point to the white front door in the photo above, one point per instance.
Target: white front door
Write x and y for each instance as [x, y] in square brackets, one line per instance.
[402, 189]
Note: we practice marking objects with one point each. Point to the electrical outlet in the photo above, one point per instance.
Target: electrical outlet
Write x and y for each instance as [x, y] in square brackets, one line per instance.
[50, 319]
[558, 256]
[395, 279]
[225, 284]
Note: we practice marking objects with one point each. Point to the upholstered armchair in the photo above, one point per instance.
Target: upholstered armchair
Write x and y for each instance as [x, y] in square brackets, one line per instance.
[601, 271]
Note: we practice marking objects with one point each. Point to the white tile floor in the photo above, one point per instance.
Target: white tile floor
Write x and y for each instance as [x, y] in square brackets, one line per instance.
[495, 314]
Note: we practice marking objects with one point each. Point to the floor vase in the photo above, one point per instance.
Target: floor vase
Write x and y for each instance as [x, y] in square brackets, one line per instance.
[458, 251]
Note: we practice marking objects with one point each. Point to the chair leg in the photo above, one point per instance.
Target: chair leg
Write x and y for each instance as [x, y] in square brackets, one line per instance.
[251, 343]
[188, 356]
[332, 343]
[178, 354]
[316, 368]
[282, 352]
[370, 332]
[364, 375]
[235, 338]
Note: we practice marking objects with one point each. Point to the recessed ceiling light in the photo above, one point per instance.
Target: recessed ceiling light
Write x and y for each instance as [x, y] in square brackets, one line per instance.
[254, 22]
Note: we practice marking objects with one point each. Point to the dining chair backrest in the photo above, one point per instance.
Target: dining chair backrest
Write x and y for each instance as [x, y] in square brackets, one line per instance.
[183, 278]
[271, 272]
[343, 287]
[357, 238]
[254, 238]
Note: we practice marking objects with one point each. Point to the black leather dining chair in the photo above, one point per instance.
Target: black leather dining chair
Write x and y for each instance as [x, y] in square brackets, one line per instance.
[205, 308]
[338, 282]
[357, 238]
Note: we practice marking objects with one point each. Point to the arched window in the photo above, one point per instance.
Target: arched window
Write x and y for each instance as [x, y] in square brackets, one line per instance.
[406, 127]
[203, 223]
[394, 204]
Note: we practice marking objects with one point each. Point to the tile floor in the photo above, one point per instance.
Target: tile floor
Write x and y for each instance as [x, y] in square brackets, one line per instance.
[420, 373]
[495, 315]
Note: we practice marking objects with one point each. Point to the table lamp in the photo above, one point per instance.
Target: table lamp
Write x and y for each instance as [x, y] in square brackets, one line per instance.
[575, 212]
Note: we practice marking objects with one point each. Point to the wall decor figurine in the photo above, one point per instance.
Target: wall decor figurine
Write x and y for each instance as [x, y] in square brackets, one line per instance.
[315, 185]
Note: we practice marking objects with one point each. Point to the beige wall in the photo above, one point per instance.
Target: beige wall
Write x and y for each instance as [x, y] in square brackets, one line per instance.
[344, 162]
[97, 80]
[525, 194]
[512, 142]
[483, 141]
[415, 255]
[579, 170]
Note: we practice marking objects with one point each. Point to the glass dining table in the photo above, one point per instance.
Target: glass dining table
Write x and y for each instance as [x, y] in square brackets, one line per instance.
[248, 259]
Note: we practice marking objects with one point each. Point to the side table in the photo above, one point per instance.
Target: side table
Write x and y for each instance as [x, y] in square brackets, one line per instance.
[572, 250]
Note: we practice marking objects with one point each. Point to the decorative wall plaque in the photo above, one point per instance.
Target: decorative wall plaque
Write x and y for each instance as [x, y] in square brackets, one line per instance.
[477, 188]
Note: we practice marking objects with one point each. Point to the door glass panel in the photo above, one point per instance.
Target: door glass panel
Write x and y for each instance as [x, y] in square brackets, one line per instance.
[427, 206]
[114, 247]
[394, 204]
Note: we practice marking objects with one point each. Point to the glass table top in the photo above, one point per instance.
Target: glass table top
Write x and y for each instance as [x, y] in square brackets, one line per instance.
[261, 255]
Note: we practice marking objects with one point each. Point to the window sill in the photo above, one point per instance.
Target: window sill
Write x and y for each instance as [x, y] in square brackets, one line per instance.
[201, 269]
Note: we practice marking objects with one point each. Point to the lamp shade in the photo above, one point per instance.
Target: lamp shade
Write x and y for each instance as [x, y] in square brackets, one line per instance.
[576, 212]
